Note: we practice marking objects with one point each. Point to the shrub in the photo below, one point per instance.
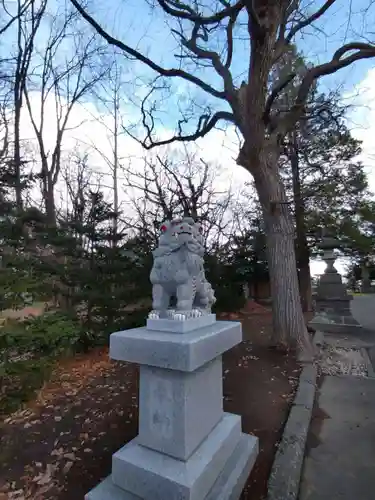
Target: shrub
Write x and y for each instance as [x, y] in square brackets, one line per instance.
[28, 351]
[48, 334]
[229, 298]
[20, 379]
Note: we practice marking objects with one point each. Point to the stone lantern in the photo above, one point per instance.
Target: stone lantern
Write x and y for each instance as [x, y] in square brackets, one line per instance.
[332, 301]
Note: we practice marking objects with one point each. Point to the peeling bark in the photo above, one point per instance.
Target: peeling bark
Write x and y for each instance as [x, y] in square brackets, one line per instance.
[289, 327]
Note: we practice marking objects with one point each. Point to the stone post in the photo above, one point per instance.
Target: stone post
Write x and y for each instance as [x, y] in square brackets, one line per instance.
[365, 280]
[332, 301]
[187, 448]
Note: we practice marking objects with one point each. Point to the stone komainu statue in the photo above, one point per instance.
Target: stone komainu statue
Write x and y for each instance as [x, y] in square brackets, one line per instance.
[178, 272]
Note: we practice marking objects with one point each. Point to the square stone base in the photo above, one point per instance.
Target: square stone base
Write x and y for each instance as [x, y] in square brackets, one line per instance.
[228, 485]
[188, 325]
[333, 323]
[342, 329]
[157, 476]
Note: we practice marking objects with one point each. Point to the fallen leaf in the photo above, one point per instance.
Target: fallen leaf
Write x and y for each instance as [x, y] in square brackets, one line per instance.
[67, 467]
[46, 477]
[57, 452]
[16, 495]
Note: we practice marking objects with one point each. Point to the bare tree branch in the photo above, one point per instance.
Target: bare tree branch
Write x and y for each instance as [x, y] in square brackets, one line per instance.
[4, 130]
[181, 10]
[67, 84]
[338, 61]
[28, 23]
[151, 64]
[212, 56]
[274, 93]
[178, 186]
[229, 33]
[20, 11]
[205, 123]
[309, 20]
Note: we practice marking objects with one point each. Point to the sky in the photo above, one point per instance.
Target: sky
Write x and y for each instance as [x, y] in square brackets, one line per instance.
[136, 23]
[146, 28]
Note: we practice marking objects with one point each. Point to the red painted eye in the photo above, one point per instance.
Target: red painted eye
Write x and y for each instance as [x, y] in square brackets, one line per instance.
[163, 229]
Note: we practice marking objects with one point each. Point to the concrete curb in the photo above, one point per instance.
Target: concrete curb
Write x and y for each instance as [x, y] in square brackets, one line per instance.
[284, 480]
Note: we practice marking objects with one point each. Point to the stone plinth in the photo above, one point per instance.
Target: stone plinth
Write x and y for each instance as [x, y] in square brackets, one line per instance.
[187, 448]
[332, 298]
[332, 306]
[332, 302]
[169, 325]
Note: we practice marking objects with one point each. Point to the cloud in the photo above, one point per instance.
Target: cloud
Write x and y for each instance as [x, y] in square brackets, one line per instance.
[361, 121]
[90, 130]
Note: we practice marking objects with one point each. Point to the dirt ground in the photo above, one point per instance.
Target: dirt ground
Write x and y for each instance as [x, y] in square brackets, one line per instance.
[36, 309]
[60, 446]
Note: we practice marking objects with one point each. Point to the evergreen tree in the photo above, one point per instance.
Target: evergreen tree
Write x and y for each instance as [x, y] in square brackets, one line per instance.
[324, 182]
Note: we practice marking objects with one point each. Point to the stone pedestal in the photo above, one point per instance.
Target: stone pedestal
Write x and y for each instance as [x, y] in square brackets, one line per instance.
[187, 448]
[332, 301]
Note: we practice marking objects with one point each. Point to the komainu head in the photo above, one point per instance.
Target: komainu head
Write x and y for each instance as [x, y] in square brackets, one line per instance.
[181, 233]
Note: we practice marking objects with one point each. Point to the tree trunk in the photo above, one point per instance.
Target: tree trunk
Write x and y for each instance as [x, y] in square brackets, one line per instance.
[305, 287]
[17, 93]
[19, 81]
[50, 206]
[302, 248]
[289, 327]
[48, 192]
[260, 156]
[17, 158]
[115, 167]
